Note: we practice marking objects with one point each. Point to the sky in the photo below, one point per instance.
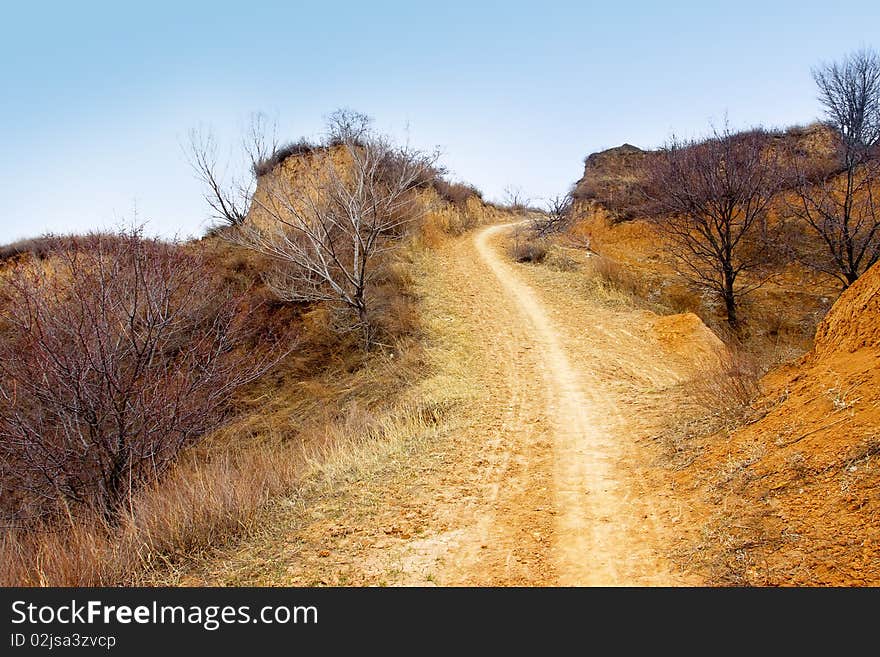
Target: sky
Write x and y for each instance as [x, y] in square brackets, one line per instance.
[97, 98]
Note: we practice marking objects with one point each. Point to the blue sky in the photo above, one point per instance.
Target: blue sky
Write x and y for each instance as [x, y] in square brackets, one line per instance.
[97, 97]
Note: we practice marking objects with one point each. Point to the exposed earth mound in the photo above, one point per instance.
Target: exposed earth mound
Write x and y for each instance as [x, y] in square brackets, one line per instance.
[803, 481]
[686, 337]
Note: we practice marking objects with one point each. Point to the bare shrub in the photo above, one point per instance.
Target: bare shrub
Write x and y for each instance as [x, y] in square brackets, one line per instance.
[554, 217]
[528, 250]
[457, 194]
[39, 247]
[726, 389]
[515, 199]
[326, 230]
[117, 352]
[347, 126]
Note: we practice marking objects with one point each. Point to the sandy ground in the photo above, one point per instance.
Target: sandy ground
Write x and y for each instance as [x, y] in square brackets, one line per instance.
[543, 473]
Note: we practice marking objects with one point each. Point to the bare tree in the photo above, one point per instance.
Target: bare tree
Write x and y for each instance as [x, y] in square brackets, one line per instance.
[841, 205]
[850, 92]
[229, 194]
[554, 218]
[515, 198]
[114, 357]
[347, 126]
[714, 197]
[325, 227]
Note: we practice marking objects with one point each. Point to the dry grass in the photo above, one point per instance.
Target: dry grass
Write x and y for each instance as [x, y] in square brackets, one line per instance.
[560, 260]
[612, 274]
[198, 505]
[711, 405]
[205, 504]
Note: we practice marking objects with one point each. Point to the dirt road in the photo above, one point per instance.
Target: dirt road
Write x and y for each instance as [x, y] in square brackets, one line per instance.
[600, 537]
[538, 476]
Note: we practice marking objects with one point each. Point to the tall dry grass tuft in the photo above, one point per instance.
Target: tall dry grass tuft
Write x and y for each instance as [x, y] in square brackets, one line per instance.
[727, 389]
[200, 504]
[716, 401]
[612, 274]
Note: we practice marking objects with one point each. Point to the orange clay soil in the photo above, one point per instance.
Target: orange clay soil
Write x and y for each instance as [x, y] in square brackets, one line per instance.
[798, 490]
[785, 310]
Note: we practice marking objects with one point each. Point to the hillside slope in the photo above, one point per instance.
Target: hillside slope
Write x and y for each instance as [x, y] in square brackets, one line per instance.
[803, 482]
[612, 216]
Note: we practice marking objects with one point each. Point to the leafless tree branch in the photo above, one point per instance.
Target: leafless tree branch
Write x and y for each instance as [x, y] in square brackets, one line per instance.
[714, 196]
[841, 205]
[113, 359]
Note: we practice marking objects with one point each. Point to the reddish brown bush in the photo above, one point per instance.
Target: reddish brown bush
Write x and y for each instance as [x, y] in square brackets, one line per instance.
[455, 193]
[36, 246]
[117, 352]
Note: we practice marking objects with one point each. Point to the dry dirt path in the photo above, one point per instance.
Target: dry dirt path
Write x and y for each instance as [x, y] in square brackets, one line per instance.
[600, 537]
[541, 474]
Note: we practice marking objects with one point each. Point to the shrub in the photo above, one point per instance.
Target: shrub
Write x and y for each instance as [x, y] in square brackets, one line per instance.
[529, 251]
[324, 233]
[456, 194]
[117, 352]
[726, 391]
[39, 247]
[266, 165]
[610, 272]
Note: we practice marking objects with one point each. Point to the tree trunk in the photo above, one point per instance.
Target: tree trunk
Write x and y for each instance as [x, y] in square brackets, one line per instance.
[365, 327]
[115, 487]
[111, 500]
[730, 305]
[730, 297]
